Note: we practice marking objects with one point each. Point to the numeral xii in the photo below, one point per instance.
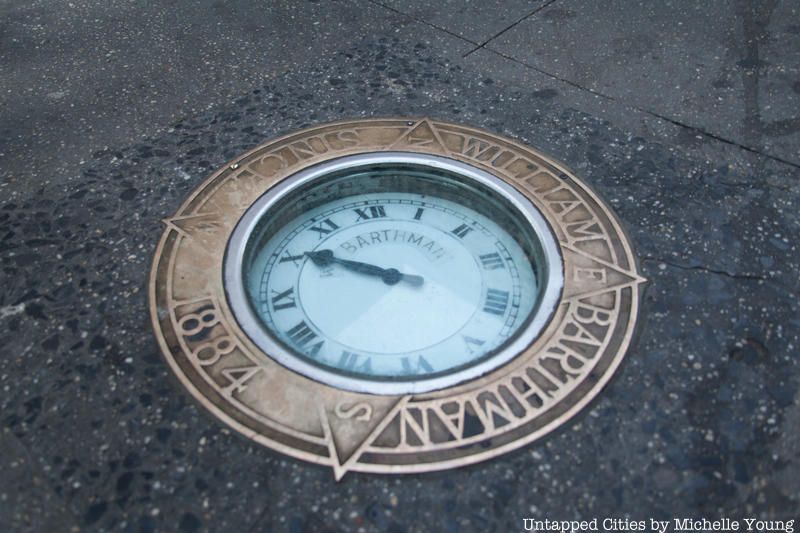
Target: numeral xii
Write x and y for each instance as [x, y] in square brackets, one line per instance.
[368, 213]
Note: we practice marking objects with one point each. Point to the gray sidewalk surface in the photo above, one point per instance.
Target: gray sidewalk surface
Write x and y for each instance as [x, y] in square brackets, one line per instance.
[684, 116]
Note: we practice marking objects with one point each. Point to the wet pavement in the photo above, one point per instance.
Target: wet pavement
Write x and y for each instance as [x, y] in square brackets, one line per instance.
[684, 116]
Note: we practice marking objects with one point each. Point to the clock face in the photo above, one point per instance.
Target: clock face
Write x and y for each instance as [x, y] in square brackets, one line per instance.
[392, 273]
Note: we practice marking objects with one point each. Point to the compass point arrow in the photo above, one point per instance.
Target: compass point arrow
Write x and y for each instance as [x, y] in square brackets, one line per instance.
[350, 426]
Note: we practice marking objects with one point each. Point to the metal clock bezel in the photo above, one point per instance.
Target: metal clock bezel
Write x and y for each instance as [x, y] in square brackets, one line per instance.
[551, 283]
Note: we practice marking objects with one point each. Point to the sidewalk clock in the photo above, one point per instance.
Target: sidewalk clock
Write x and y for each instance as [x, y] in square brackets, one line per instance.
[393, 295]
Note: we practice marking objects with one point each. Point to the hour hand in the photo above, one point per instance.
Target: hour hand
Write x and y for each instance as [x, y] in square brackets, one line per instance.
[321, 258]
[390, 276]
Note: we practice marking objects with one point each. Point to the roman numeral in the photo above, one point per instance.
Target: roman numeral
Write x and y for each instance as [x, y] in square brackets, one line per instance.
[354, 363]
[287, 256]
[420, 367]
[491, 261]
[314, 350]
[283, 300]
[373, 211]
[496, 302]
[461, 231]
[301, 335]
[322, 229]
[472, 343]
[418, 214]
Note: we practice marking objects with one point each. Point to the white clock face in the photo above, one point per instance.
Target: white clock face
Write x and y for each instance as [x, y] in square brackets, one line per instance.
[392, 274]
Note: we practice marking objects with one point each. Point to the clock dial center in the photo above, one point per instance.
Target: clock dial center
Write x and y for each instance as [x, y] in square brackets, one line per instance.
[397, 317]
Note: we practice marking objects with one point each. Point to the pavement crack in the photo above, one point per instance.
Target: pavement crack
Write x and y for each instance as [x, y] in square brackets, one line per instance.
[659, 116]
[708, 270]
[553, 76]
[674, 122]
[701, 131]
[423, 21]
[501, 32]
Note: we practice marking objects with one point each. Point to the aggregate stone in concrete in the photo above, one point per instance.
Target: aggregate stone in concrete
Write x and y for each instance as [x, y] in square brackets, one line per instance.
[83, 75]
[27, 502]
[729, 68]
[698, 422]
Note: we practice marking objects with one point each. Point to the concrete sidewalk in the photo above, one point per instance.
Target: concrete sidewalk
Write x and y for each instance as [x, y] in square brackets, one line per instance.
[684, 116]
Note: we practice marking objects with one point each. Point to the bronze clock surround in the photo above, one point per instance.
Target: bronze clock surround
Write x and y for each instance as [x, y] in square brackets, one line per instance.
[550, 380]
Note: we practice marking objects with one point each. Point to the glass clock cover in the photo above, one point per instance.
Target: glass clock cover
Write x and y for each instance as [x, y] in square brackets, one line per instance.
[392, 276]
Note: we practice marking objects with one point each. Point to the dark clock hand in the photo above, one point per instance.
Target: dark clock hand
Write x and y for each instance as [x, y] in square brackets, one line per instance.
[390, 276]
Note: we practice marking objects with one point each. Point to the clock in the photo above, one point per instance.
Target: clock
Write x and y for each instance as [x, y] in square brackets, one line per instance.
[394, 295]
[393, 273]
